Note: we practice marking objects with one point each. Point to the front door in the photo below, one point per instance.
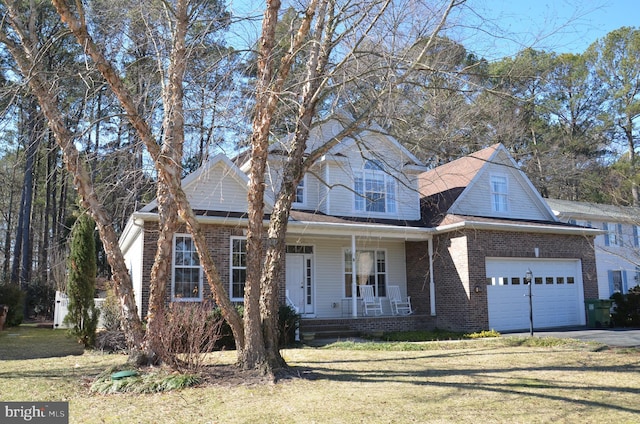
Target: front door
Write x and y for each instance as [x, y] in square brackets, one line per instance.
[299, 279]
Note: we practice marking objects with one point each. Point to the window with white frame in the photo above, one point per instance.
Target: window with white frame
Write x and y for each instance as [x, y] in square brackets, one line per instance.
[499, 193]
[186, 283]
[374, 189]
[371, 269]
[238, 267]
[300, 198]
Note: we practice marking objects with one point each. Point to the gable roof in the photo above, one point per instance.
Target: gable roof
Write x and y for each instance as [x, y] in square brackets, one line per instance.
[207, 186]
[456, 188]
[332, 127]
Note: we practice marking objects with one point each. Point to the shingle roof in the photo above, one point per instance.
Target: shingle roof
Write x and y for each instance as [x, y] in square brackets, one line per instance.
[586, 210]
[441, 186]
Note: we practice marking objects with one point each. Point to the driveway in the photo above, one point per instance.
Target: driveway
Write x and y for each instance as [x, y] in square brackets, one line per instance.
[617, 337]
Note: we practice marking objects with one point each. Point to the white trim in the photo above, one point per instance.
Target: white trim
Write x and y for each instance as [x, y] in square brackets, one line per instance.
[231, 268]
[354, 269]
[173, 273]
[496, 206]
[305, 196]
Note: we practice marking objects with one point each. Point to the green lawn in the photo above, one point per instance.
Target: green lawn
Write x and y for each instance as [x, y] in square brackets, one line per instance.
[480, 381]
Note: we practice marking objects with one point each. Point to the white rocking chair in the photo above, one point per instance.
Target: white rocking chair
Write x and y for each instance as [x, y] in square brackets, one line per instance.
[399, 305]
[369, 301]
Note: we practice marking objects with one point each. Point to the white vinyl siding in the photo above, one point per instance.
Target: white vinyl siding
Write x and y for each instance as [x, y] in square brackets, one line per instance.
[133, 259]
[523, 203]
[218, 189]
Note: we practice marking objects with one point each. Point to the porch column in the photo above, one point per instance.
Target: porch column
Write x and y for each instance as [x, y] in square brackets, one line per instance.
[432, 284]
[354, 281]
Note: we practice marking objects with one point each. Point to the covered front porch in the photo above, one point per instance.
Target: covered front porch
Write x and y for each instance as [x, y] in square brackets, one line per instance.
[327, 274]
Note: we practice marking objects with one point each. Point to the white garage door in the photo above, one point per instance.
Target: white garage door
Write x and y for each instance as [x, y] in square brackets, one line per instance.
[557, 294]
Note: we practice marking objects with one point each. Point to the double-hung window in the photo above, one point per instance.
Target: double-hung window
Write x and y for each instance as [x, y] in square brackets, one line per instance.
[299, 198]
[371, 269]
[613, 236]
[186, 283]
[238, 267]
[375, 190]
[499, 193]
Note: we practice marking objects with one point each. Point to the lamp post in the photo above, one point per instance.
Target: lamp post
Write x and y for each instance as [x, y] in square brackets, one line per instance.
[528, 277]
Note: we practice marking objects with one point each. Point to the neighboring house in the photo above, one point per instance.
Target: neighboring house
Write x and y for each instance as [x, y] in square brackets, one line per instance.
[617, 249]
[457, 239]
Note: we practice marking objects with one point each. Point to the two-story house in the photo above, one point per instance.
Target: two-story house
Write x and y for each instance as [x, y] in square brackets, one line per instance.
[617, 249]
[457, 239]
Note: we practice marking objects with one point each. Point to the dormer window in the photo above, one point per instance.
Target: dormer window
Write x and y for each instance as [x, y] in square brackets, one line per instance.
[299, 199]
[375, 190]
[499, 193]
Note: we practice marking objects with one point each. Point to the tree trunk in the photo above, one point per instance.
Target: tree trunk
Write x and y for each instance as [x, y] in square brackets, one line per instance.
[88, 197]
[21, 271]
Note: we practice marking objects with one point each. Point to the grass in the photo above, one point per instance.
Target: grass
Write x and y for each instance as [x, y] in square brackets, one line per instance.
[504, 379]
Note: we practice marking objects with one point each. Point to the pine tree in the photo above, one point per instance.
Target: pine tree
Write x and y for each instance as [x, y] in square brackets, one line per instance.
[81, 282]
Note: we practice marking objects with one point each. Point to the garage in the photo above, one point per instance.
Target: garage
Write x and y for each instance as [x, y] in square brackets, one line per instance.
[557, 294]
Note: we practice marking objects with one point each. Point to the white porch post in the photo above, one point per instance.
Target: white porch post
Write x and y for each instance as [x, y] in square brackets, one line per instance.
[432, 284]
[354, 282]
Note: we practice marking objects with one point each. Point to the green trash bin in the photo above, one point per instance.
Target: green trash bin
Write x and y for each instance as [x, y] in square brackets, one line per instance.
[598, 313]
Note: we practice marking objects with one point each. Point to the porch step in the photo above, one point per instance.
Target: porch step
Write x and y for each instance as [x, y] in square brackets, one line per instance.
[327, 330]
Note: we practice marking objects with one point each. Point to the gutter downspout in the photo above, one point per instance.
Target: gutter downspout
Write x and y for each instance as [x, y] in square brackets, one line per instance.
[432, 284]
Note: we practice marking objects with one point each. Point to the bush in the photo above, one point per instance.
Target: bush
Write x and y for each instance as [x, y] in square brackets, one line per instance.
[13, 297]
[626, 310]
[226, 340]
[110, 312]
[288, 322]
[189, 332]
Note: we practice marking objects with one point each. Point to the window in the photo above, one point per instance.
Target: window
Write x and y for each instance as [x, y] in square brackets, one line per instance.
[499, 193]
[238, 267]
[371, 269]
[375, 190]
[613, 237]
[187, 273]
[300, 192]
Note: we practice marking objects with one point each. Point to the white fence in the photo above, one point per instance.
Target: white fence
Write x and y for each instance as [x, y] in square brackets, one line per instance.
[62, 308]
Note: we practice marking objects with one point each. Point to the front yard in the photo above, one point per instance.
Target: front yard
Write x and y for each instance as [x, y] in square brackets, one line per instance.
[492, 380]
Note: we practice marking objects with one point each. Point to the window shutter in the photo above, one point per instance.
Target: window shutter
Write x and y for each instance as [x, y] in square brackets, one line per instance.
[605, 227]
[625, 286]
[635, 236]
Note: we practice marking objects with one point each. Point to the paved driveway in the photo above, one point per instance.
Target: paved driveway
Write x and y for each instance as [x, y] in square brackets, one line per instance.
[618, 337]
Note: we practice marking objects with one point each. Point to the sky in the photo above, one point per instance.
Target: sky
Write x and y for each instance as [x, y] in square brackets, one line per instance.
[494, 29]
[562, 26]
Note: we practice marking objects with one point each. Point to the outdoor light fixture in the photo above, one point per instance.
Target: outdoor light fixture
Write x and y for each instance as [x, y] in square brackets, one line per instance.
[528, 277]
